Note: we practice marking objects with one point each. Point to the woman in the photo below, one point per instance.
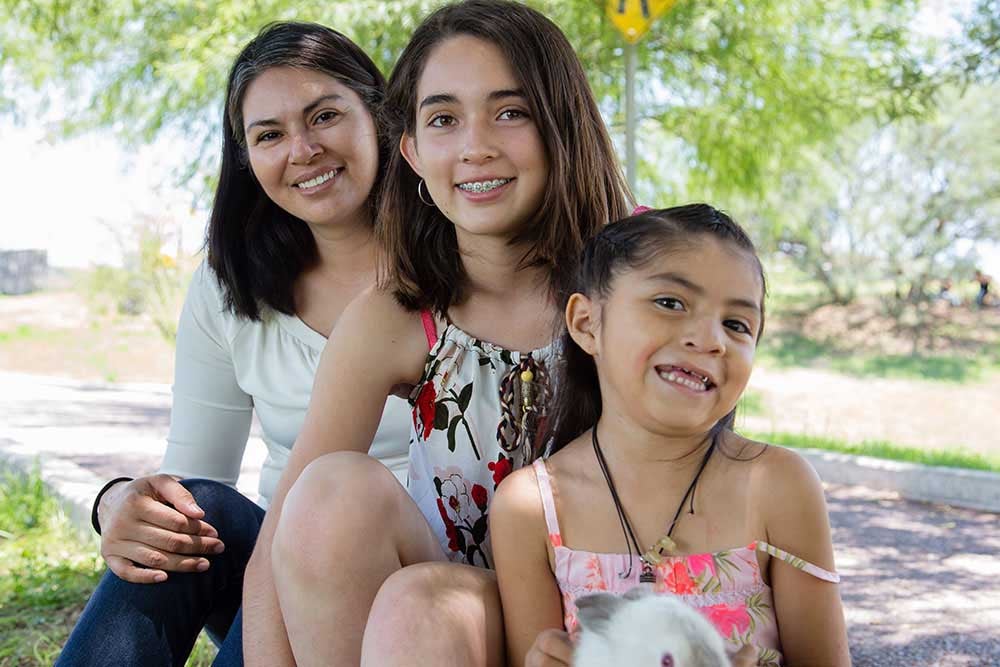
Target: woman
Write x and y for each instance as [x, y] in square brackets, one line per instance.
[290, 243]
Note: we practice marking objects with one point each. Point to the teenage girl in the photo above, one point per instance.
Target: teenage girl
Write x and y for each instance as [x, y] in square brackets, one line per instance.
[502, 169]
[649, 485]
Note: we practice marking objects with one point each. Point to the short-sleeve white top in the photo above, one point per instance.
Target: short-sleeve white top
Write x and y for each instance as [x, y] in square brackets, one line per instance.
[227, 367]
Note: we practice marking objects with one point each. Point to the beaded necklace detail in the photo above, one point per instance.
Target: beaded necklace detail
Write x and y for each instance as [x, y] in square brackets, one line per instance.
[665, 545]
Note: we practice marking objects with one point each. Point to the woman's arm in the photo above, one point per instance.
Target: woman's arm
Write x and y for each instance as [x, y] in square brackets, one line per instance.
[529, 593]
[809, 611]
[151, 526]
[375, 346]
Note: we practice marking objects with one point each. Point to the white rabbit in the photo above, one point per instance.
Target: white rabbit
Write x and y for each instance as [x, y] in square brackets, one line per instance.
[642, 629]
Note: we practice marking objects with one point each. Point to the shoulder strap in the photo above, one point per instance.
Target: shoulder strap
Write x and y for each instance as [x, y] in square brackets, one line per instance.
[796, 562]
[548, 502]
[430, 327]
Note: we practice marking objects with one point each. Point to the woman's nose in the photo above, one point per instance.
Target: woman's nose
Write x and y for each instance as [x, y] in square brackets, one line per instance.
[304, 148]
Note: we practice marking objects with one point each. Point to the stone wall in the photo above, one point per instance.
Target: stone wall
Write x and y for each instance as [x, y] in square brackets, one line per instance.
[22, 271]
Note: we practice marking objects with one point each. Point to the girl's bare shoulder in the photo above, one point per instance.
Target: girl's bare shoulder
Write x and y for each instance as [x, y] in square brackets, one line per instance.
[389, 334]
[776, 470]
[791, 501]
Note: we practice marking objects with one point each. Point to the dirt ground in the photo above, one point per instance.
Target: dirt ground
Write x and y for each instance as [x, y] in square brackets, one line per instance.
[913, 413]
[56, 333]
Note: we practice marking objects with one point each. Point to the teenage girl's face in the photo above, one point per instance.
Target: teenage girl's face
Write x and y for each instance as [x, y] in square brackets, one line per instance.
[676, 338]
[476, 145]
[312, 145]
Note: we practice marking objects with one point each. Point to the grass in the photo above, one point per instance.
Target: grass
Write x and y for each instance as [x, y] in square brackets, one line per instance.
[751, 405]
[47, 572]
[25, 332]
[793, 350]
[952, 458]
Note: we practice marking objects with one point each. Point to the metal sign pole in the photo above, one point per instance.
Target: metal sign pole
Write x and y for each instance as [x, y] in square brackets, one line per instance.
[630, 113]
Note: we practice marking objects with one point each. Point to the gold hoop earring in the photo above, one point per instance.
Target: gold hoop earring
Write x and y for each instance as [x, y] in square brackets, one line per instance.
[420, 185]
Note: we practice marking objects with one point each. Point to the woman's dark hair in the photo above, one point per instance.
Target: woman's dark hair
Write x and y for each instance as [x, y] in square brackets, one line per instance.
[623, 246]
[257, 249]
[585, 186]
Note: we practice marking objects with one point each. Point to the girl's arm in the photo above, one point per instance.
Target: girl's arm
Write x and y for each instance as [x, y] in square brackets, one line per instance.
[809, 611]
[375, 346]
[529, 594]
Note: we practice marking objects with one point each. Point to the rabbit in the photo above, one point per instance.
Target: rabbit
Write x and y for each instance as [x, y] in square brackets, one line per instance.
[642, 629]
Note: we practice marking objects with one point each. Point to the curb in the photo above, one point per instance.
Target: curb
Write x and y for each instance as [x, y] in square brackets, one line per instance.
[971, 489]
[73, 486]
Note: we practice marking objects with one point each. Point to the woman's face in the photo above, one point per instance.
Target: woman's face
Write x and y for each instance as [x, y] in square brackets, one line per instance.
[476, 144]
[312, 145]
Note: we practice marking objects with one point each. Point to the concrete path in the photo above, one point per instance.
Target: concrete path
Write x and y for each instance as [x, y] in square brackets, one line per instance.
[921, 582]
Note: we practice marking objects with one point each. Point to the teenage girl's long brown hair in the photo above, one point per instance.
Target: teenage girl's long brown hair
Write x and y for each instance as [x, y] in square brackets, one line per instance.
[585, 186]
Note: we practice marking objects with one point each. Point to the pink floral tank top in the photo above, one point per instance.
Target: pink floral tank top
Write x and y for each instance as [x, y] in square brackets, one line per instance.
[470, 430]
[725, 586]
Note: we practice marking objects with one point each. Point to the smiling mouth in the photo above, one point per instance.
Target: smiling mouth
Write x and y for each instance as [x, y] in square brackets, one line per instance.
[686, 378]
[479, 187]
[319, 180]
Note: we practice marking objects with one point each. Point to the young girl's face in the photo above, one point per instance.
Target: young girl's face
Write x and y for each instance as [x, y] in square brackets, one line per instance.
[676, 338]
[476, 144]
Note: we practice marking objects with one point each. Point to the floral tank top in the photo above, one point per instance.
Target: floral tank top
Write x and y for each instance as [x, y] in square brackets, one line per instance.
[725, 586]
[477, 413]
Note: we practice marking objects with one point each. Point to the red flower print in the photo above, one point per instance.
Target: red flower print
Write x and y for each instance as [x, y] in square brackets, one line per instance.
[449, 527]
[424, 408]
[678, 581]
[701, 562]
[501, 468]
[480, 497]
[728, 617]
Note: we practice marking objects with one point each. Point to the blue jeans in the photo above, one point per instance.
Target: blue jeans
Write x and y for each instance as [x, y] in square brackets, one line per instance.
[157, 624]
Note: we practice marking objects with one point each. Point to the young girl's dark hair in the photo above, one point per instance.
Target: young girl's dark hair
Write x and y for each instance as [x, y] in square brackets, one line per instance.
[623, 246]
[257, 249]
[585, 186]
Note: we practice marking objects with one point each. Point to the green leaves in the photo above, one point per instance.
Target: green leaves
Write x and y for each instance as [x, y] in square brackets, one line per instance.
[731, 93]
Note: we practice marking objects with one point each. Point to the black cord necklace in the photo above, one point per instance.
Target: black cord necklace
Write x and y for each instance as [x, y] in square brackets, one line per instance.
[652, 555]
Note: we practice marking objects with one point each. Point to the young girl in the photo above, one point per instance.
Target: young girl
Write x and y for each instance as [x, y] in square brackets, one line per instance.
[503, 169]
[649, 485]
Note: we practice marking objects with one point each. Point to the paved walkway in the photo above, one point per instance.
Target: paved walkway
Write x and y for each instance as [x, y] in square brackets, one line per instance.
[921, 582]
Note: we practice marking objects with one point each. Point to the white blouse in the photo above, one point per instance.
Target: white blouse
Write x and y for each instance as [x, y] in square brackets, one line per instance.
[227, 367]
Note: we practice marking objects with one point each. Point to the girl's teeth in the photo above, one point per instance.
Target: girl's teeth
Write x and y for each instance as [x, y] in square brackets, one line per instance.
[686, 382]
[319, 180]
[484, 186]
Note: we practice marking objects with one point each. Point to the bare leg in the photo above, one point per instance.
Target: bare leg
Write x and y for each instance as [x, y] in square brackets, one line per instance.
[345, 527]
[440, 614]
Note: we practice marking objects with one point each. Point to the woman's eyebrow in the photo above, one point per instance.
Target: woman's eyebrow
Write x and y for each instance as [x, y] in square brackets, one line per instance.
[305, 110]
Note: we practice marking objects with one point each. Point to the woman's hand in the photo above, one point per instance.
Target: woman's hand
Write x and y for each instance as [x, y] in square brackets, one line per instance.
[151, 526]
[552, 648]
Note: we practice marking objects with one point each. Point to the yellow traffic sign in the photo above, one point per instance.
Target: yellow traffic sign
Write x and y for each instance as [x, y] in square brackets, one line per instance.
[634, 17]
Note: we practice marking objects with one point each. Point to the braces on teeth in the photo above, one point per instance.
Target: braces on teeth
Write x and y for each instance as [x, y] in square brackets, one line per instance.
[484, 186]
[319, 180]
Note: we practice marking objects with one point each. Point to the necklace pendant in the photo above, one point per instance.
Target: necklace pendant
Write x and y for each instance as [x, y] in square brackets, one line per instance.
[665, 544]
[647, 576]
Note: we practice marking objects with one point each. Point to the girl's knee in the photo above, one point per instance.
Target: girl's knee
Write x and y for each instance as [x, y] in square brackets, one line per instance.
[415, 590]
[454, 609]
[335, 504]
